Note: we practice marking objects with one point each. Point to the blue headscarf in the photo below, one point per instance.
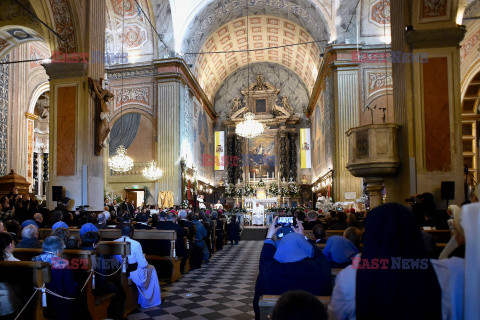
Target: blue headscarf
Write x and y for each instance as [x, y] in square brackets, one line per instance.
[339, 249]
[87, 227]
[28, 222]
[292, 248]
[59, 224]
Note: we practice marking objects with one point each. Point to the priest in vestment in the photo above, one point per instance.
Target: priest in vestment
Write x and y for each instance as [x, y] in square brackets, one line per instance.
[258, 217]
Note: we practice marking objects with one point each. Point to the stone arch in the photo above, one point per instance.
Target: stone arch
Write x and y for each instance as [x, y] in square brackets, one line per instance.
[41, 89]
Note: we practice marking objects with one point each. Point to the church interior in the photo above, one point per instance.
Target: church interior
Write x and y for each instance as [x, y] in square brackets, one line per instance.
[183, 145]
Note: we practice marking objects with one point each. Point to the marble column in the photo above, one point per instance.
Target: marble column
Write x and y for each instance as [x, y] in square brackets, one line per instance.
[168, 136]
[346, 116]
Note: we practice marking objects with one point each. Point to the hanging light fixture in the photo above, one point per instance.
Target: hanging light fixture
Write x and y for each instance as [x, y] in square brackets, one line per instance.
[121, 162]
[249, 127]
[152, 172]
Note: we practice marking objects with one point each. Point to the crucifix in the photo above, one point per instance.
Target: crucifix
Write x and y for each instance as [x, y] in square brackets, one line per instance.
[102, 126]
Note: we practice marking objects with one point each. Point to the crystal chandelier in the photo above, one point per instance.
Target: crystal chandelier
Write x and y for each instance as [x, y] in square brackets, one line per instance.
[152, 172]
[120, 162]
[249, 127]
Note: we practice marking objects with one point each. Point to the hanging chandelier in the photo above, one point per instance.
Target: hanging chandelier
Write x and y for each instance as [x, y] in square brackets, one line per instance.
[249, 127]
[152, 172]
[121, 162]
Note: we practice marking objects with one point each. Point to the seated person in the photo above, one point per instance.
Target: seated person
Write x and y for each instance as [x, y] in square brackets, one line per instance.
[233, 229]
[319, 234]
[352, 220]
[339, 251]
[291, 265]
[142, 221]
[183, 222]
[312, 220]
[340, 222]
[27, 223]
[10, 300]
[38, 217]
[141, 273]
[168, 221]
[13, 227]
[63, 233]
[62, 281]
[90, 240]
[102, 221]
[456, 245]
[330, 218]
[299, 305]
[59, 224]
[386, 290]
[29, 238]
[355, 235]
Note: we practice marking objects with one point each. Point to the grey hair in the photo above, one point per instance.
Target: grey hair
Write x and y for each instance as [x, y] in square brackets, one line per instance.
[101, 217]
[171, 217]
[182, 214]
[53, 244]
[29, 232]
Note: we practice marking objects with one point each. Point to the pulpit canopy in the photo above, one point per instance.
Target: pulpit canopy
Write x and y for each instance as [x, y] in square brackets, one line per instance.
[12, 180]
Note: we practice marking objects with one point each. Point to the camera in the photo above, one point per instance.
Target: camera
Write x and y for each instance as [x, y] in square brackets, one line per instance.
[286, 222]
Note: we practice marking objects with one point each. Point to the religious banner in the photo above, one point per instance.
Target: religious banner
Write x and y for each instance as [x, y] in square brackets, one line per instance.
[305, 153]
[219, 150]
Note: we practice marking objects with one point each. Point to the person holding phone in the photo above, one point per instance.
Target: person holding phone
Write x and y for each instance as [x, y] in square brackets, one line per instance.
[291, 263]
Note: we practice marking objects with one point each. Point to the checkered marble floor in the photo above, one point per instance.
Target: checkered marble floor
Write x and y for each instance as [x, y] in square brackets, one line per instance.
[223, 289]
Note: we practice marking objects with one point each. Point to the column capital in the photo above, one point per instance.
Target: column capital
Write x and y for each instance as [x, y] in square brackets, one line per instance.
[65, 70]
[435, 38]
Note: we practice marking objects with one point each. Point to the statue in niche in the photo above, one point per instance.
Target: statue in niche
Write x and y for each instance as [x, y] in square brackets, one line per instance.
[260, 85]
[286, 105]
[102, 126]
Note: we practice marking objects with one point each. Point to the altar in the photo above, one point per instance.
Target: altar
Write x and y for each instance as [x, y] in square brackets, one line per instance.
[257, 214]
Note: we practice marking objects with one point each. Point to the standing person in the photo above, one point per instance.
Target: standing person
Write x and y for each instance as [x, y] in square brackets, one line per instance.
[362, 292]
[234, 230]
[141, 273]
[200, 239]
[218, 205]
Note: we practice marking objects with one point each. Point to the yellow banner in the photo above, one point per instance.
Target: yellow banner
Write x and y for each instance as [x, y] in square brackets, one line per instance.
[305, 152]
[219, 150]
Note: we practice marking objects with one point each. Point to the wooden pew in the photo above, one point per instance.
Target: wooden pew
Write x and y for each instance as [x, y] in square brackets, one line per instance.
[111, 248]
[440, 236]
[81, 262]
[173, 259]
[40, 275]
[170, 235]
[267, 303]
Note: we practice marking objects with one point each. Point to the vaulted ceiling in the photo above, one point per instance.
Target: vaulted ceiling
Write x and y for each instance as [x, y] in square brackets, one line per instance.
[264, 32]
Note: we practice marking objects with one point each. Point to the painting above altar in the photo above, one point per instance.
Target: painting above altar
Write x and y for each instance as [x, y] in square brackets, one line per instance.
[261, 157]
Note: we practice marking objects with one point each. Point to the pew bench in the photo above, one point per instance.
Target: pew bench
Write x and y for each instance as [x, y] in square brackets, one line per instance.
[267, 303]
[27, 275]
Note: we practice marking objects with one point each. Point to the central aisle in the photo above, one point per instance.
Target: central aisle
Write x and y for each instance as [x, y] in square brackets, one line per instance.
[223, 289]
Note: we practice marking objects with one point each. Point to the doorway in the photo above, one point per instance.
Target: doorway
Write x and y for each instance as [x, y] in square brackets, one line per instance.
[137, 195]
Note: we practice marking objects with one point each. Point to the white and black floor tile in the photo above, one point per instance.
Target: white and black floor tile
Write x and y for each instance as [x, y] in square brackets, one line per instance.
[222, 289]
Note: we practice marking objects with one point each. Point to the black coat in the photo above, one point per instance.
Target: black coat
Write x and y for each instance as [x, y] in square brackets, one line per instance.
[179, 244]
[311, 275]
[233, 231]
[190, 226]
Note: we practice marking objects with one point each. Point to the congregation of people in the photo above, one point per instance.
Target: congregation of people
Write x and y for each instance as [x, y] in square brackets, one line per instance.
[385, 265]
[389, 266]
[19, 228]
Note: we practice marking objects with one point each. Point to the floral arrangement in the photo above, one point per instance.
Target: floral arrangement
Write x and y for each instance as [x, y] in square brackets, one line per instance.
[230, 191]
[261, 184]
[238, 193]
[293, 190]
[325, 204]
[249, 190]
[185, 203]
[273, 189]
[284, 192]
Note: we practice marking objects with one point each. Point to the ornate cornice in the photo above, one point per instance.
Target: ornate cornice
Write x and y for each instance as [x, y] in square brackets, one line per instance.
[177, 69]
[435, 38]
